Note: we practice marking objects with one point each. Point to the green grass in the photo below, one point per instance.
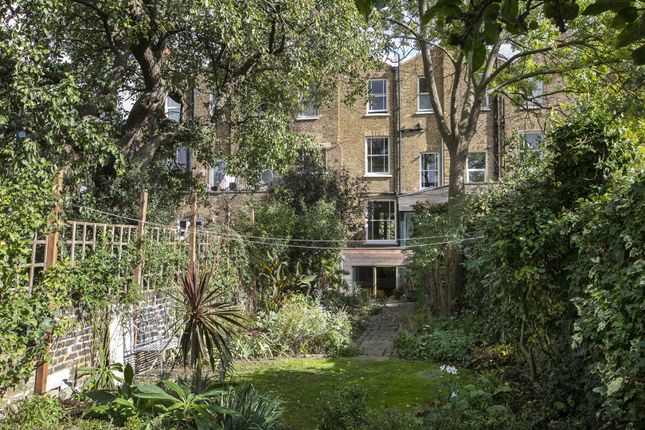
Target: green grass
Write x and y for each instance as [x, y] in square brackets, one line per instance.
[305, 384]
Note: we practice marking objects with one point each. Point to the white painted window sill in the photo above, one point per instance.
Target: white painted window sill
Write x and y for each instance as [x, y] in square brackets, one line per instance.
[376, 114]
[375, 175]
[424, 112]
[307, 118]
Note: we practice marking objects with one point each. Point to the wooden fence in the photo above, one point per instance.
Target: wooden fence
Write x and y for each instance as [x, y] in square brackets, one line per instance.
[78, 239]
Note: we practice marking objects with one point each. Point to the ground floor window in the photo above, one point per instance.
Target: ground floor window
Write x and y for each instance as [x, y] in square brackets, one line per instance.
[381, 220]
[476, 167]
[379, 281]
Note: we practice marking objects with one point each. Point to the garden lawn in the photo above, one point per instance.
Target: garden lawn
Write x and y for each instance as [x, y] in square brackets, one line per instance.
[305, 384]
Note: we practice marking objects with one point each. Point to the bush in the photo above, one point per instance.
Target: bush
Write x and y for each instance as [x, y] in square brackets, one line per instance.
[303, 326]
[37, 412]
[347, 410]
[254, 410]
[455, 346]
[481, 405]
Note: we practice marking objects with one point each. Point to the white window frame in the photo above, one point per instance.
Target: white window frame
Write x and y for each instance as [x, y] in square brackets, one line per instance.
[537, 94]
[368, 220]
[368, 155]
[421, 170]
[419, 94]
[369, 101]
[484, 169]
[168, 109]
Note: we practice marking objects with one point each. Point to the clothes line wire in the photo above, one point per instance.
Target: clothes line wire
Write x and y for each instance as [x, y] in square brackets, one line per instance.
[260, 240]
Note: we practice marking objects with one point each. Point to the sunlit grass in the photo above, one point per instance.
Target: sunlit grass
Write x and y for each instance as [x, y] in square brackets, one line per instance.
[305, 384]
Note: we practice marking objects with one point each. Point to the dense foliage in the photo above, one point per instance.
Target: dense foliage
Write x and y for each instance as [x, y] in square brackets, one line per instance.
[565, 238]
[300, 326]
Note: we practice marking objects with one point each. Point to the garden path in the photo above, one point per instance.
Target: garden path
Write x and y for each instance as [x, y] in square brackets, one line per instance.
[376, 341]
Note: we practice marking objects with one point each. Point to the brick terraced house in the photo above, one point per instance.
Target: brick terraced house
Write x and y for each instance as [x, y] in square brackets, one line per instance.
[392, 142]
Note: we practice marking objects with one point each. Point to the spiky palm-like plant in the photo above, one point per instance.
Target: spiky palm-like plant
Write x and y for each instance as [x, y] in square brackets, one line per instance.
[208, 321]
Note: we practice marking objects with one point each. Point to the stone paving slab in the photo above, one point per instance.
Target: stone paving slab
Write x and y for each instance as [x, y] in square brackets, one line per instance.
[376, 341]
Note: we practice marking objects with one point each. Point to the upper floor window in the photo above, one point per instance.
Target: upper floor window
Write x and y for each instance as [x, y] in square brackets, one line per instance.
[182, 158]
[531, 141]
[381, 220]
[424, 103]
[212, 104]
[535, 99]
[429, 170]
[377, 156]
[486, 102]
[476, 167]
[172, 109]
[377, 89]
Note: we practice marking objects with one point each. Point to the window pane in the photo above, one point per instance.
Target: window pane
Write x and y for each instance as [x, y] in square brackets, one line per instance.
[173, 109]
[423, 88]
[429, 179]
[377, 95]
[377, 146]
[476, 176]
[477, 160]
[429, 161]
[379, 164]
[425, 104]
[377, 86]
[380, 221]
[486, 102]
[533, 140]
[378, 103]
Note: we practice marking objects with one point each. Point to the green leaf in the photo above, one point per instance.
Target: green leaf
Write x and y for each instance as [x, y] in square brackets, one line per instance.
[128, 374]
[492, 31]
[153, 392]
[638, 55]
[629, 13]
[614, 386]
[602, 6]
[628, 35]
[478, 57]
[510, 9]
[101, 397]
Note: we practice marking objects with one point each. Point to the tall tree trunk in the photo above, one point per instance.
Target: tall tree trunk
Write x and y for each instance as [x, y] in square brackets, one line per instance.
[458, 150]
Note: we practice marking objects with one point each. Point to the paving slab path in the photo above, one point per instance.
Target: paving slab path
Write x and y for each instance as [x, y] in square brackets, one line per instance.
[376, 341]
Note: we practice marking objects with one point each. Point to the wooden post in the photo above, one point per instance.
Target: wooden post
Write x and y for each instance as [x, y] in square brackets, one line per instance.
[141, 224]
[51, 255]
[192, 235]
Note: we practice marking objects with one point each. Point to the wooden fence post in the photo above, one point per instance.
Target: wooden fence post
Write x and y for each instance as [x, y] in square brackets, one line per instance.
[192, 232]
[141, 224]
[51, 255]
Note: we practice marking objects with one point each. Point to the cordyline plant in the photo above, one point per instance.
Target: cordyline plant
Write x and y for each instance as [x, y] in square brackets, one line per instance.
[208, 322]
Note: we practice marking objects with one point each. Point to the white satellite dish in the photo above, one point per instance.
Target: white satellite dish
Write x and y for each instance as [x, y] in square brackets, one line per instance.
[267, 177]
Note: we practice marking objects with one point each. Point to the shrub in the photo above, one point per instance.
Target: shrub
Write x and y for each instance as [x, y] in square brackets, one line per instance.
[347, 410]
[37, 412]
[480, 405]
[303, 326]
[437, 345]
[254, 410]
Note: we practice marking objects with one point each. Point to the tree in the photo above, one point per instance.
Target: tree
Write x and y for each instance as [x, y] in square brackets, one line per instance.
[255, 57]
[469, 38]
